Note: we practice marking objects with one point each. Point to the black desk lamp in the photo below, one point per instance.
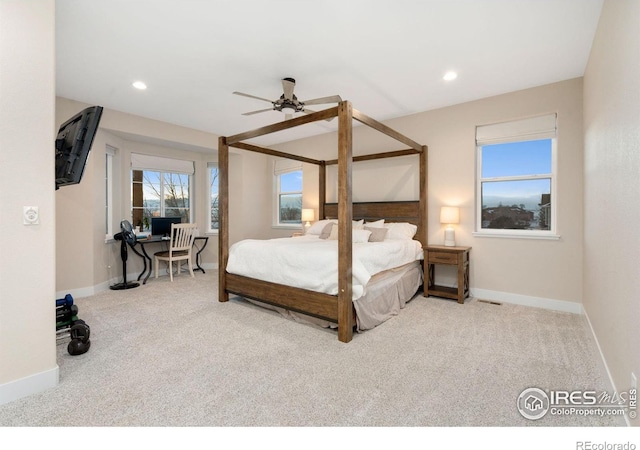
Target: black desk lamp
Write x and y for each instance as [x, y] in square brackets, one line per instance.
[126, 236]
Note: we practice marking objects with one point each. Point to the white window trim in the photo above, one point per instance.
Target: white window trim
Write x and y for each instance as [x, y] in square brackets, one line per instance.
[542, 127]
[281, 167]
[110, 153]
[209, 166]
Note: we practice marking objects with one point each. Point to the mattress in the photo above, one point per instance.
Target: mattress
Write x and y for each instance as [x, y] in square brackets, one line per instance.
[308, 262]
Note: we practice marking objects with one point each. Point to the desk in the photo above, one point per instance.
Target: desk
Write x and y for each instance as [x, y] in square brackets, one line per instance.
[158, 239]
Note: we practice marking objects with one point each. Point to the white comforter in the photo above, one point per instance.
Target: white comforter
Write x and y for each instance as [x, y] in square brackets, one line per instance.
[311, 263]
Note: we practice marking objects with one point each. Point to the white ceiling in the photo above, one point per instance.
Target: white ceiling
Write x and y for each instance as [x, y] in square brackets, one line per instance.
[388, 57]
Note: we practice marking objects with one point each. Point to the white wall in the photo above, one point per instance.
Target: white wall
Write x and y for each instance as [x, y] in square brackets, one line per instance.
[27, 134]
[539, 272]
[612, 185]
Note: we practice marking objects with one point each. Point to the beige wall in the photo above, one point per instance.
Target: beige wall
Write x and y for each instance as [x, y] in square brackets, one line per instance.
[27, 266]
[612, 184]
[540, 272]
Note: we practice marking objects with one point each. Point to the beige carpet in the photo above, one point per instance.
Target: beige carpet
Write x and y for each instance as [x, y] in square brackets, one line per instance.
[169, 354]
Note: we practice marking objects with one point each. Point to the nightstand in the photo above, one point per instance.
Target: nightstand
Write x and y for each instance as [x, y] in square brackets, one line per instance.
[450, 256]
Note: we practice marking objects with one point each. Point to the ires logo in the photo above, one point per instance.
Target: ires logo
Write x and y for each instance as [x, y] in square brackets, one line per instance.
[535, 403]
[573, 398]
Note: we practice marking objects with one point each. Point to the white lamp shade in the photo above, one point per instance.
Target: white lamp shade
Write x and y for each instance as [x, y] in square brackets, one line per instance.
[307, 215]
[449, 214]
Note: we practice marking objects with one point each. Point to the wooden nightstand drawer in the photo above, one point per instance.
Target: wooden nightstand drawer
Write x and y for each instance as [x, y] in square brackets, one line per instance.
[443, 258]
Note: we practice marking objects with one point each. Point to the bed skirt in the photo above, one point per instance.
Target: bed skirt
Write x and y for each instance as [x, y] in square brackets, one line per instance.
[385, 295]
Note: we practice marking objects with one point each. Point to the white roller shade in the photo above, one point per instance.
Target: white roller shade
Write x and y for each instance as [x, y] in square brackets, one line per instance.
[286, 165]
[542, 127]
[149, 162]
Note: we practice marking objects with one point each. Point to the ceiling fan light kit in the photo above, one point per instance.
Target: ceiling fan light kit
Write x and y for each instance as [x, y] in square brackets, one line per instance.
[288, 103]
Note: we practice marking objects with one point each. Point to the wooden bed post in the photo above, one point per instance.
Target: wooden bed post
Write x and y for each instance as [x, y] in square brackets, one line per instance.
[223, 217]
[345, 217]
[322, 189]
[424, 191]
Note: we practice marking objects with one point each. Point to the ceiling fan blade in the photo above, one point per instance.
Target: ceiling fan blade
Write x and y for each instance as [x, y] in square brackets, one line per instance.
[288, 116]
[252, 96]
[287, 86]
[256, 112]
[323, 100]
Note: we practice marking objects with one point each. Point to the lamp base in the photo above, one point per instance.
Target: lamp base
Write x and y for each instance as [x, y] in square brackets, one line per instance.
[449, 237]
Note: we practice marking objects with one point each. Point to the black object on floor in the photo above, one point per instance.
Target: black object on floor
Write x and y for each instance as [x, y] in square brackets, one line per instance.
[126, 236]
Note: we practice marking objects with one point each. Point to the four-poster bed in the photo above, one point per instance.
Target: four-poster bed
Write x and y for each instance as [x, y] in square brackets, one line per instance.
[334, 308]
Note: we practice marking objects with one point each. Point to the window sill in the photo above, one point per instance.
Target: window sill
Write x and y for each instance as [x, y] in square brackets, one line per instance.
[508, 235]
[287, 227]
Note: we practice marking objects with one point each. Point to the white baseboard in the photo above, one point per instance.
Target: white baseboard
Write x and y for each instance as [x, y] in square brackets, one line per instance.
[92, 290]
[604, 368]
[33, 384]
[526, 300]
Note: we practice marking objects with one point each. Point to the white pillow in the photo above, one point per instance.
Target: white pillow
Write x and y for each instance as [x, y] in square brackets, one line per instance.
[357, 236]
[401, 230]
[376, 224]
[360, 236]
[358, 224]
[317, 227]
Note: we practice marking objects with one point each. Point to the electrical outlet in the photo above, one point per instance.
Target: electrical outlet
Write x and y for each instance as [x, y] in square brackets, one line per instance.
[634, 381]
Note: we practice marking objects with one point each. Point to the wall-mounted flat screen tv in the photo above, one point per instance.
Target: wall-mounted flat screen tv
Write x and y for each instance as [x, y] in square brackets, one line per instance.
[73, 144]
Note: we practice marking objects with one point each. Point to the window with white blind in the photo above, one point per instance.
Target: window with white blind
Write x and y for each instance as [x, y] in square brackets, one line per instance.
[516, 178]
[160, 187]
[288, 193]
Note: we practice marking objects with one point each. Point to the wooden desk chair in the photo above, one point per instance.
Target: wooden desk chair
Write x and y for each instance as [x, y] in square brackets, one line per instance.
[180, 245]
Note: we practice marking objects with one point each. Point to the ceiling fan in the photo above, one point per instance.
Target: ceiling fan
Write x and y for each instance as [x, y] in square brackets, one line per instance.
[288, 103]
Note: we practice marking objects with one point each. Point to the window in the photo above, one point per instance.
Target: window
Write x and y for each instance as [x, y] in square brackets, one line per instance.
[108, 215]
[212, 170]
[288, 182]
[516, 178]
[160, 187]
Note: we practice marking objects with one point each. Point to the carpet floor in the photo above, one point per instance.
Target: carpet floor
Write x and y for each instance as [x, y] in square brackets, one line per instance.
[169, 354]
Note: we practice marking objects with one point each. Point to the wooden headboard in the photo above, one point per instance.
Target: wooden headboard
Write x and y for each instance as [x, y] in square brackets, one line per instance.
[399, 211]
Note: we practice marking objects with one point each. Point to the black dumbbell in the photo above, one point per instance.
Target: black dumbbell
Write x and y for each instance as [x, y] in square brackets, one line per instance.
[64, 327]
[66, 312]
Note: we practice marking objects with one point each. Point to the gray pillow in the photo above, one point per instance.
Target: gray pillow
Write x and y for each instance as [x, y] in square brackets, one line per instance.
[377, 234]
[326, 231]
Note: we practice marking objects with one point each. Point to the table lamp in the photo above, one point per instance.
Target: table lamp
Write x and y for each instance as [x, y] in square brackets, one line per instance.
[307, 217]
[449, 215]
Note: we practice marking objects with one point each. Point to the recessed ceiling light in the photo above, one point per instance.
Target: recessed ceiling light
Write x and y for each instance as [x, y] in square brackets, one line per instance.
[451, 75]
[139, 85]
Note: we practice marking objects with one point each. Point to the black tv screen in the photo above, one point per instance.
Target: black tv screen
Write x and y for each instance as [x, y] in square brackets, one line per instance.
[73, 144]
[161, 226]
